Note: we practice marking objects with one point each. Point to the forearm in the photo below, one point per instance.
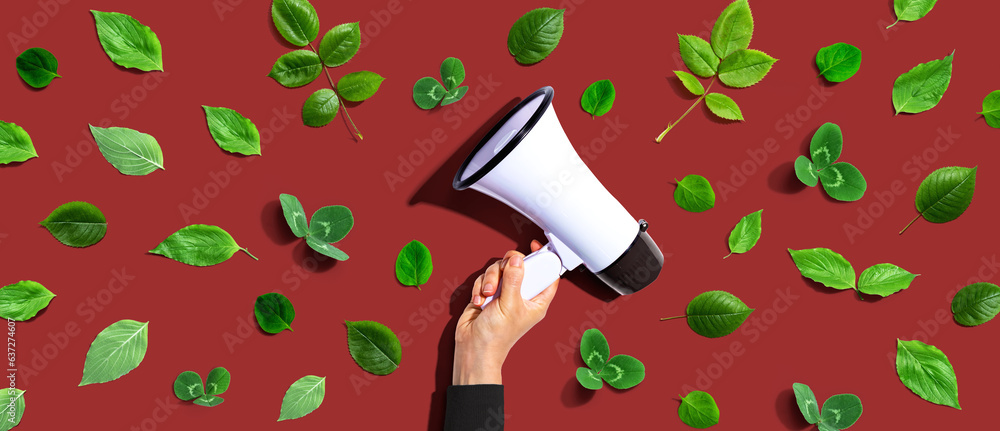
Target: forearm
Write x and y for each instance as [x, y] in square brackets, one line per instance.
[476, 366]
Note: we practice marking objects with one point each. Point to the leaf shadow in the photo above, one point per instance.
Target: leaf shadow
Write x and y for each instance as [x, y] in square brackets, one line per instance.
[312, 261]
[819, 287]
[33, 89]
[12, 165]
[679, 89]
[40, 312]
[783, 179]
[788, 411]
[272, 220]
[573, 394]
[715, 118]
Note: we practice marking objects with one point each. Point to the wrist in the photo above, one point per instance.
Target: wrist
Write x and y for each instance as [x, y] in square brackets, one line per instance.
[477, 367]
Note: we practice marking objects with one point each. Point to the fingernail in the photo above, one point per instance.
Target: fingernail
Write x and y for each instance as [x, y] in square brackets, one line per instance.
[516, 261]
[477, 300]
[488, 289]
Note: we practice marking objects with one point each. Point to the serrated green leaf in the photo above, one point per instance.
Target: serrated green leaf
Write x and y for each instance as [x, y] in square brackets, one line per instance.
[991, 109]
[911, 10]
[806, 400]
[130, 151]
[15, 144]
[452, 73]
[694, 193]
[340, 44]
[199, 245]
[535, 35]
[218, 381]
[37, 67]
[413, 264]
[838, 62]
[925, 369]
[303, 397]
[76, 224]
[746, 233]
[232, 131]
[296, 68]
[274, 312]
[826, 145]
[623, 372]
[428, 92]
[716, 313]
[884, 279]
[806, 171]
[598, 98]
[331, 223]
[824, 266]
[724, 107]
[698, 410]
[595, 350]
[359, 86]
[698, 55]
[12, 410]
[127, 42]
[841, 411]
[733, 30]
[923, 86]
[374, 347]
[23, 300]
[946, 193]
[116, 351]
[843, 182]
[976, 304]
[295, 215]
[455, 95]
[589, 379]
[320, 108]
[188, 386]
[296, 20]
[690, 82]
[325, 249]
[745, 67]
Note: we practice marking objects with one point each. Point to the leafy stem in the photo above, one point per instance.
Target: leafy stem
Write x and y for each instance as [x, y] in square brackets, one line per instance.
[672, 318]
[696, 102]
[248, 253]
[891, 25]
[341, 104]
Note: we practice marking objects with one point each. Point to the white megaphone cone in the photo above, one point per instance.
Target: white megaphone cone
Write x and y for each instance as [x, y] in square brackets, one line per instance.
[527, 162]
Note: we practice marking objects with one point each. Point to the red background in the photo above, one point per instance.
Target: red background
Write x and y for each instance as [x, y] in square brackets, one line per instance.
[827, 339]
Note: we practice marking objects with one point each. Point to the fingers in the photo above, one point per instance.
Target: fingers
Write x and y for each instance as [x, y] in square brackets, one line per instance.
[477, 289]
[490, 282]
[535, 245]
[513, 274]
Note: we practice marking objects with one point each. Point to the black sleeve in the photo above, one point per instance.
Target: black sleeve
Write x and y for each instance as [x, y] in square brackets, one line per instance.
[474, 407]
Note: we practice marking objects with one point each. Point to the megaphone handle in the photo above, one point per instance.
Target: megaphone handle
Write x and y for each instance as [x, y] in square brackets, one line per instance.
[541, 268]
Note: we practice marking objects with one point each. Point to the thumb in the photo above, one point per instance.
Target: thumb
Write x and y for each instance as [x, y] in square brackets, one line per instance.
[513, 274]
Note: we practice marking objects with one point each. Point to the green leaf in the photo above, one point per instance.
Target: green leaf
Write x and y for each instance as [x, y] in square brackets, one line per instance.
[209, 401]
[922, 87]
[690, 82]
[694, 193]
[698, 55]
[974, 305]
[733, 29]
[911, 10]
[218, 381]
[373, 346]
[304, 396]
[359, 86]
[745, 67]
[838, 62]
[746, 233]
[589, 379]
[991, 109]
[428, 92]
[127, 42]
[15, 144]
[452, 73]
[116, 351]
[413, 264]
[340, 44]
[825, 266]
[823, 426]
[843, 182]
[623, 372]
[884, 279]
[188, 386]
[232, 131]
[274, 312]
[598, 98]
[535, 35]
[946, 193]
[806, 400]
[294, 214]
[806, 171]
[927, 372]
[130, 151]
[76, 224]
[698, 410]
[12, 411]
[37, 67]
[841, 411]
[716, 313]
[325, 248]
[199, 245]
[724, 107]
[826, 145]
[23, 300]
[297, 68]
[331, 223]
[320, 108]
[595, 350]
[455, 95]
[296, 20]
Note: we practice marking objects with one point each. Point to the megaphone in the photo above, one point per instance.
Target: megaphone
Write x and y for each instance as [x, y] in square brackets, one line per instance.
[527, 162]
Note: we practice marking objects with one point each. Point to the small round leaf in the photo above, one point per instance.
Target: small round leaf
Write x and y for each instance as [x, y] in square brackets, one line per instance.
[698, 410]
[428, 92]
[694, 193]
[274, 312]
[188, 386]
[320, 108]
[37, 67]
[975, 304]
[374, 347]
